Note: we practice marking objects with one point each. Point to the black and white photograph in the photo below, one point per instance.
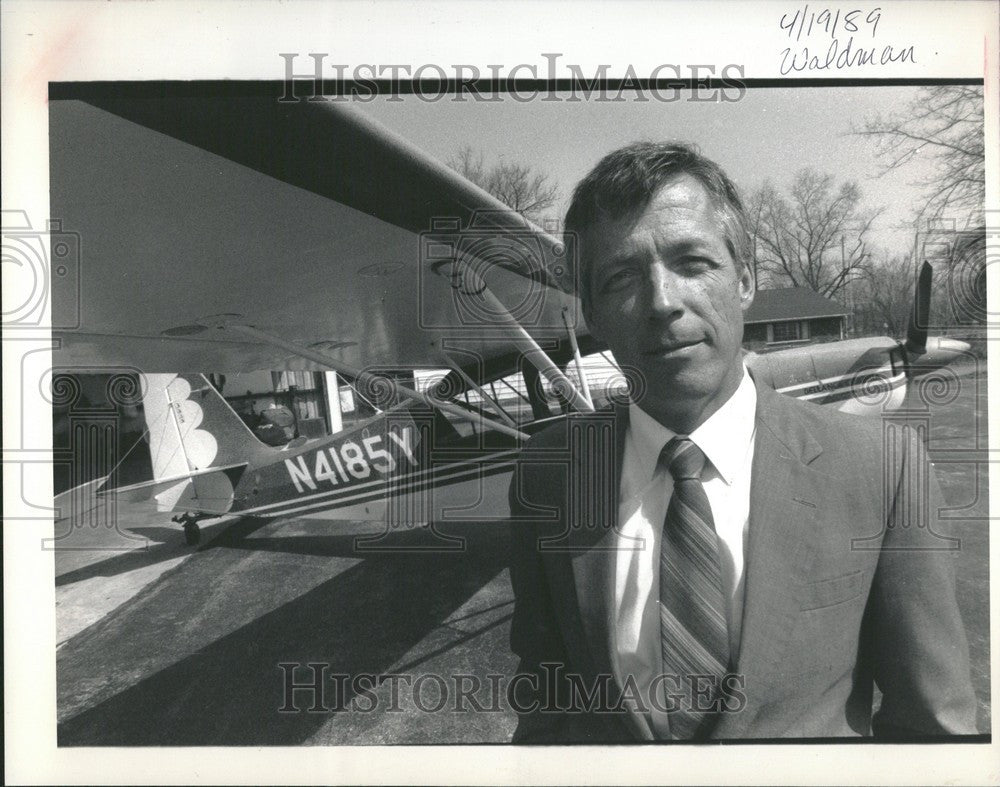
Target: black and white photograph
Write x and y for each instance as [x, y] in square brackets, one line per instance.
[635, 412]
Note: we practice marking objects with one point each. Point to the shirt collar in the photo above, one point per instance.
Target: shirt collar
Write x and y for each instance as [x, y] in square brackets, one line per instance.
[724, 438]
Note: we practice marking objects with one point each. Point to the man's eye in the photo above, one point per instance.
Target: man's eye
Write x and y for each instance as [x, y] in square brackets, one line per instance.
[616, 280]
[697, 264]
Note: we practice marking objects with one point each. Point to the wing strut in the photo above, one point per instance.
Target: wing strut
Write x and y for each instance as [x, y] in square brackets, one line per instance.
[529, 347]
[584, 382]
[487, 399]
[338, 366]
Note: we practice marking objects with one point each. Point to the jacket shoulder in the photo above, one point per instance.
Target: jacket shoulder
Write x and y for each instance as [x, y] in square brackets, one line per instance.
[823, 421]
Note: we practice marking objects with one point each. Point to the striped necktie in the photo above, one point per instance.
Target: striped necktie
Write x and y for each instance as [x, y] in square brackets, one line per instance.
[693, 631]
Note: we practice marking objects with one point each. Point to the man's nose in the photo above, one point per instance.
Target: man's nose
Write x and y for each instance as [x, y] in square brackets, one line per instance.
[664, 293]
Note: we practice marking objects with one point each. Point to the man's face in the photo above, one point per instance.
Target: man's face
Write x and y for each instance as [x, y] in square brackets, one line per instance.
[666, 297]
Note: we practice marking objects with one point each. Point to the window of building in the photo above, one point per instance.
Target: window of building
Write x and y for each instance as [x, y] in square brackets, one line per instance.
[791, 331]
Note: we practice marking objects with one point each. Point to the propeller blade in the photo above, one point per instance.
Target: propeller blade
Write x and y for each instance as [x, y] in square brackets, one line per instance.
[916, 332]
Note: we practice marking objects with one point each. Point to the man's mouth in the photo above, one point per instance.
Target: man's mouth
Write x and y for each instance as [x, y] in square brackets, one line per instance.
[672, 348]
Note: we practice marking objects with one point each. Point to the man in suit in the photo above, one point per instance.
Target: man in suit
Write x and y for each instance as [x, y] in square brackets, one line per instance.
[712, 559]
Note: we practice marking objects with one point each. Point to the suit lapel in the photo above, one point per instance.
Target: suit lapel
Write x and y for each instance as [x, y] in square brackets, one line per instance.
[590, 555]
[779, 550]
[591, 544]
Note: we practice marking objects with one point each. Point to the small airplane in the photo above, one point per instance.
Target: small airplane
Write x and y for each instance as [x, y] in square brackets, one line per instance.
[252, 234]
[867, 376]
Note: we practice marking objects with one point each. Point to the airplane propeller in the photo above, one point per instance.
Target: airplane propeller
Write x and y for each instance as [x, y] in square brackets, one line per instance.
[924, 355]
[916, 332]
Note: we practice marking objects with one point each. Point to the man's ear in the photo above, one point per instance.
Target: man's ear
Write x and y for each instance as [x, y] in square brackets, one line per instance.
[747, 287]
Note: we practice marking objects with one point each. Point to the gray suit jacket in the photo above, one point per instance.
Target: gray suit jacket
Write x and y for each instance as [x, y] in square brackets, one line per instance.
[849, 580]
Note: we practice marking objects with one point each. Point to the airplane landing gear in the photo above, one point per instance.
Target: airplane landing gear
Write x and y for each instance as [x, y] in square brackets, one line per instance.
[192, 532]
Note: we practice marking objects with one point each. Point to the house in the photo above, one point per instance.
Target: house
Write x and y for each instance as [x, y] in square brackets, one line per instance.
[792, 315]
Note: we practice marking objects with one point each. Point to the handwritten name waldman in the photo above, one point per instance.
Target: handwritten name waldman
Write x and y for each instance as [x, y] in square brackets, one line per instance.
[836, 54]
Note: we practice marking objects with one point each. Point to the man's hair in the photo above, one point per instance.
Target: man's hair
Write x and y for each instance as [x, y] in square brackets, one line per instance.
[624, 181]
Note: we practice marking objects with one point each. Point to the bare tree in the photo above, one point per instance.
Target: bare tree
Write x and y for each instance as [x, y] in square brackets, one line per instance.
[943, 123]
[529, 193]
[884, 303]
[470, 164]
[816, 237]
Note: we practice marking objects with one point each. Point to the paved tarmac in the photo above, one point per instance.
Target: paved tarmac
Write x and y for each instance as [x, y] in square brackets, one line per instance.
[187, 643]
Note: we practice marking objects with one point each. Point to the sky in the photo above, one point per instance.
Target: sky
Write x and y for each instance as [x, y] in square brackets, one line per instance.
[770, 133]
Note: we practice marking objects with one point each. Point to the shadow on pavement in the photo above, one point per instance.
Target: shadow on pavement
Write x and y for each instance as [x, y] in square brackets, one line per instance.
[121, 682]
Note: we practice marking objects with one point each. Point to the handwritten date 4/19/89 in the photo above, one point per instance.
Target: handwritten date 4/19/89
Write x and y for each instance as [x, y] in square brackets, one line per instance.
[826, 22]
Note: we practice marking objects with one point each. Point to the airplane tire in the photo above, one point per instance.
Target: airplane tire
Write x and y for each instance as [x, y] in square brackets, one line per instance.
[192, 533]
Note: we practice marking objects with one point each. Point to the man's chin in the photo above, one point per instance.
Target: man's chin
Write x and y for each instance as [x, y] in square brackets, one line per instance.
[679, 391]
[683, 394]
[682, 375]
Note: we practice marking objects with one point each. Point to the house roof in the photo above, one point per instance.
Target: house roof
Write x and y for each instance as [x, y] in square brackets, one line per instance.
[791, 303]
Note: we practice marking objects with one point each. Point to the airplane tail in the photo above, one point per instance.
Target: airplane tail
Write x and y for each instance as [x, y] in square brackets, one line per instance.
[198, 446]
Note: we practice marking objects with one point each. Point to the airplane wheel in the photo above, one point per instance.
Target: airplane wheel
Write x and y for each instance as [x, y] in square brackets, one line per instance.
[192, 533]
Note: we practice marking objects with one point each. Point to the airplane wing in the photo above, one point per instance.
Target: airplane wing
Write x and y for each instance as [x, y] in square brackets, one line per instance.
[304, 220]
[306, 227]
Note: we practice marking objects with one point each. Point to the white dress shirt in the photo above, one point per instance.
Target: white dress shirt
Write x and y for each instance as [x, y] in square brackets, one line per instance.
[727, 440]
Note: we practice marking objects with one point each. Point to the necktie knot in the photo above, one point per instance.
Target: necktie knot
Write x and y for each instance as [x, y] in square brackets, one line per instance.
[683, 459]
